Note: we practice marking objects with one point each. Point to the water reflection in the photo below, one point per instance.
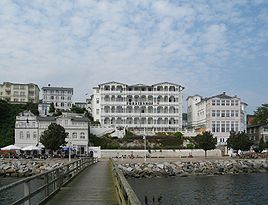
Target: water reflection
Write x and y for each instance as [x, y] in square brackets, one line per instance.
[226, 189]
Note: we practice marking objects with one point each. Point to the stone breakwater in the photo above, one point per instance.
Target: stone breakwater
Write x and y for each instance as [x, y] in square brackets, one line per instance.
[18, 168]
[187, 168]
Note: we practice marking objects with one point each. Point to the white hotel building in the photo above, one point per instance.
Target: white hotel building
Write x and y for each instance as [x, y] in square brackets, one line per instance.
[61, 97]
[219, 114]
[139, 108]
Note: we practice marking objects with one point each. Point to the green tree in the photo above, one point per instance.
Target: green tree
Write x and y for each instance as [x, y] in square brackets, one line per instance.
[179, 137]
[57, 113]
[78, 110]
[261, 115]
[240, 141]
[51, 108]
[53, 137]
[262, 144]
[8, 113]
[205, 141]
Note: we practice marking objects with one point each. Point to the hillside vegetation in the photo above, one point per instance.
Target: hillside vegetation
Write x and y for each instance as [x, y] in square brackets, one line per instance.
[8, 113]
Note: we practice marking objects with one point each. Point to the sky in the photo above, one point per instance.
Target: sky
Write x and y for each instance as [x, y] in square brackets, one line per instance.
[209, 47]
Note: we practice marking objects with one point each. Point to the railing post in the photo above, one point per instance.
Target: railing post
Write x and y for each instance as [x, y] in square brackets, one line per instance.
[47, 186]
[26, 187]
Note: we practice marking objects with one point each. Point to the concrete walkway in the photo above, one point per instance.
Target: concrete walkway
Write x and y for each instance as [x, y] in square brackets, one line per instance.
[94, 185]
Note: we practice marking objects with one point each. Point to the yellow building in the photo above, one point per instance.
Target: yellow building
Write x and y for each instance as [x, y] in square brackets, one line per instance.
[19, 93]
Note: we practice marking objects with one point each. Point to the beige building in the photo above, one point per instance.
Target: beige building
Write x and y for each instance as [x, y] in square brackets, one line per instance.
[19, 93]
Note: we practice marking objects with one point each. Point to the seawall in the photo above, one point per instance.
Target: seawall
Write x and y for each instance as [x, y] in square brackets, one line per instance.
[25, 168]
[187, 168]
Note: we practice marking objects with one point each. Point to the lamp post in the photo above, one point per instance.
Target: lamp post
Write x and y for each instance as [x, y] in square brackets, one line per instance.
[144, 138]
[69, 147]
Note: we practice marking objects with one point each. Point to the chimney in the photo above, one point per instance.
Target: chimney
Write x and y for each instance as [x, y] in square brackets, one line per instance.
[224, 93]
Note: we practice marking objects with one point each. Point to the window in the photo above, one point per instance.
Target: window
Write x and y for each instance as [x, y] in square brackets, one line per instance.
[218, 126]
[223, 102]
[236, 113]
[227, 113]
[34, 135]
[74, 135]
[227, 102]
[52, 97]
[28, 135]
[218, 102]
[62, 97]
[223, 113]
[98, 111]
[236, 102]
[98, 100]
[62, 104]
[21, 134]
[236, 125]
[213, 102]
[82, 135]
[232, 113]
[213, 126]
[218, 113]
[223, 126]
[232, 103]
[213, 113]
[232, 125]
[227, 126]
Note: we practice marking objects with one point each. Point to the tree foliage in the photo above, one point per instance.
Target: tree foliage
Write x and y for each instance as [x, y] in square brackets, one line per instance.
[261, 115]
[78, 110]
[53, 137]
[104, 142]
[262, 144]
[8, 113]
[240, 141]
[205, 141]
[51, 108]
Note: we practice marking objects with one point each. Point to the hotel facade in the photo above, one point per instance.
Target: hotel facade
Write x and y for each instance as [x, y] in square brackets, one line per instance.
[139, 108]
[218, 114]
[29, 128]
[61, 97]
[19, 93]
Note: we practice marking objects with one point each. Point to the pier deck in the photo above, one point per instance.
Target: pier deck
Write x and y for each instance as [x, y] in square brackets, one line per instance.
[93, 186]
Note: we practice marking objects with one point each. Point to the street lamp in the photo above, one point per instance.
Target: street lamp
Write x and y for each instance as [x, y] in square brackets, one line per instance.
[69, 146]
[144, 138]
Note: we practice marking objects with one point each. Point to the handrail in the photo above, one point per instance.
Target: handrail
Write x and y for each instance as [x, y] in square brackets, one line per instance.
[125, 194]
[52, 181]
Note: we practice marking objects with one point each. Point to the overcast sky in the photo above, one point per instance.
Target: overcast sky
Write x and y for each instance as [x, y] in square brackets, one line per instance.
[206, 46]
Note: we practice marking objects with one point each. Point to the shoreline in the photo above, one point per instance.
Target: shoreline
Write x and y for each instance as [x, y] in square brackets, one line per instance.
[191, 167]
[28, 167]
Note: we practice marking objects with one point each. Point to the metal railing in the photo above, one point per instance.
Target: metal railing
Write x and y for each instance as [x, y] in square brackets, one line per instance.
[125, 194]
[39, 188]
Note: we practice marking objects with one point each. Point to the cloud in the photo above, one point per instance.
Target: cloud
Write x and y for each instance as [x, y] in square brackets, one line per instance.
[202, 45]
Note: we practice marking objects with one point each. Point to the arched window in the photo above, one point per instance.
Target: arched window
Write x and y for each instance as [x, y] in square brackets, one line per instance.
[21, 134]
[82, 135]
[28, 135]
[106, 121]
[74, 135]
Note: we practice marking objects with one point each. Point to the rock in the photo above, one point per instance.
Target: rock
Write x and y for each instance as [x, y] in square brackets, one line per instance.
[184, 174]
[10, 170]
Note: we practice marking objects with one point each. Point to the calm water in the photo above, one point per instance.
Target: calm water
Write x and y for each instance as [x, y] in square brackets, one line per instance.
[11, 195]
[226, 189]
